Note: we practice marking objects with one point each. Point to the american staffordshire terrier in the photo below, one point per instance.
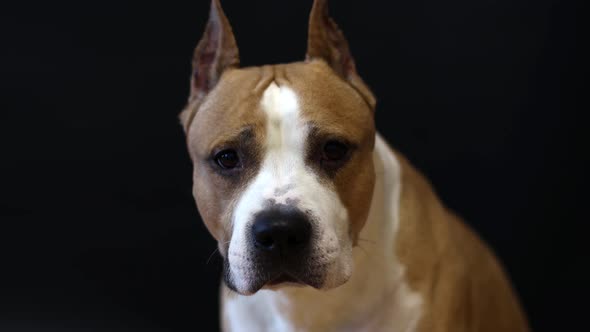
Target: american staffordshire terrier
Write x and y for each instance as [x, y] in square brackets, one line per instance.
[321, 225]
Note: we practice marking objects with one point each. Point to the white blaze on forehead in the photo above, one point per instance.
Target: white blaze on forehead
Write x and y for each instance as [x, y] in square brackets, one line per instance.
[280, 105]
[285, 134]
[284, 178]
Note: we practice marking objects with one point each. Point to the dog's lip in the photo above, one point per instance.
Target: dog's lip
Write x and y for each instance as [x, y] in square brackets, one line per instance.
[283, 278]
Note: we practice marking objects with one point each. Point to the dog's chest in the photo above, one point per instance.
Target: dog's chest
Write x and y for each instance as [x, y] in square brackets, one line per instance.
[395, 311]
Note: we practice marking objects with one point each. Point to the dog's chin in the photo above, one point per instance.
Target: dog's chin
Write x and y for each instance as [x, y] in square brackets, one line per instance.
[284, 281]
[276, 281]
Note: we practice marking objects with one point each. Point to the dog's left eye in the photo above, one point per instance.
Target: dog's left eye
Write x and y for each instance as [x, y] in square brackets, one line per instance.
[334, 151]
[227, 159]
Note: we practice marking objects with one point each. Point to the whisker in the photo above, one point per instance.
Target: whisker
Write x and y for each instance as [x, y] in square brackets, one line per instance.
[211, 256]
[363, 249]
[367, 240]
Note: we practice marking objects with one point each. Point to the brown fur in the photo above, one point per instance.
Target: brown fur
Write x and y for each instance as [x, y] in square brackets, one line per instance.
[461, 282]
[217, 120]
[327, 42]
[216, 52]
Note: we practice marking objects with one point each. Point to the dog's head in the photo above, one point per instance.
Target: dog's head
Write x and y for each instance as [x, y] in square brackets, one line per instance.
[283, 169]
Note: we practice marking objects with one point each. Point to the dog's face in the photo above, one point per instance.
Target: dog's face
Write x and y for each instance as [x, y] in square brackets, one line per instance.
[283, 169]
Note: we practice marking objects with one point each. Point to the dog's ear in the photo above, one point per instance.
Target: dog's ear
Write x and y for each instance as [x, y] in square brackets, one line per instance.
[216, 51]
[327, 42]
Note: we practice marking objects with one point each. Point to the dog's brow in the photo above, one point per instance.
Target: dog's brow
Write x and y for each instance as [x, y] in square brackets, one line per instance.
[317, 131]
[243, 135]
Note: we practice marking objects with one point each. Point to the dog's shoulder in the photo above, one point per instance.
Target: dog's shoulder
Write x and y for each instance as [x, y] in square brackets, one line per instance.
[462, 283]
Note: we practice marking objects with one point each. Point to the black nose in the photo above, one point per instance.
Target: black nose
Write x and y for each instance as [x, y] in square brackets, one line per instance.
[283, 231]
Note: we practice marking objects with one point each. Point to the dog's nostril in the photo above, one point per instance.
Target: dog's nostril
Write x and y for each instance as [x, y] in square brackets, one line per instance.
[265, 240]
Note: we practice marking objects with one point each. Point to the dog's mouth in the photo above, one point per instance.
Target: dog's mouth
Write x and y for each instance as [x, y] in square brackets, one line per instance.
[283, 278]
[273, 277]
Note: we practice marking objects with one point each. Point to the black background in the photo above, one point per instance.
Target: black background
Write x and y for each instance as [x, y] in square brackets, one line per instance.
[98, 228]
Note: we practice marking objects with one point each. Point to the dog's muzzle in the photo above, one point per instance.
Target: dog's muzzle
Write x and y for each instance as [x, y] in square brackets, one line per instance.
[280, 248]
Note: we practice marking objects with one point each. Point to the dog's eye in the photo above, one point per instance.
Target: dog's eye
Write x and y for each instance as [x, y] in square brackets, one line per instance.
[227, 159]
[335, 151]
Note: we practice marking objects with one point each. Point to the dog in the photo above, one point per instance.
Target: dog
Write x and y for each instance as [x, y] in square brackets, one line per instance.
[291, 177]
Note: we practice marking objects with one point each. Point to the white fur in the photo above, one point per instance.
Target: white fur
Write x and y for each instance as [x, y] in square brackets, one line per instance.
[284, 167]
[376, 298]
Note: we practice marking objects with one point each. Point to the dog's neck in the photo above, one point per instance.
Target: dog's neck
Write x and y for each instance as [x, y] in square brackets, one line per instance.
[377, 276]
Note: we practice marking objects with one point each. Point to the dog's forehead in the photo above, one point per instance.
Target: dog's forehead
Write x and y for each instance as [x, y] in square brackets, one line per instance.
[324, 100]
[329, 102]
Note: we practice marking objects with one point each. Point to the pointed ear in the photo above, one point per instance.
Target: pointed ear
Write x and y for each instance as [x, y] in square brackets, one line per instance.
[217, 51]
[327, 42]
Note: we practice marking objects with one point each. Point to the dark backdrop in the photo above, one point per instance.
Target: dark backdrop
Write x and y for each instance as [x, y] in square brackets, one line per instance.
[98, 227]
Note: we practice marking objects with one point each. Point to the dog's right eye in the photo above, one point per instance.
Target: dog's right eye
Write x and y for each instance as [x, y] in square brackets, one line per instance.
[227, 159]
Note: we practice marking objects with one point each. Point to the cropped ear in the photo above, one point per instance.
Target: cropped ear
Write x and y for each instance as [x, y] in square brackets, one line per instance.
[327, 42]
[216, 51]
